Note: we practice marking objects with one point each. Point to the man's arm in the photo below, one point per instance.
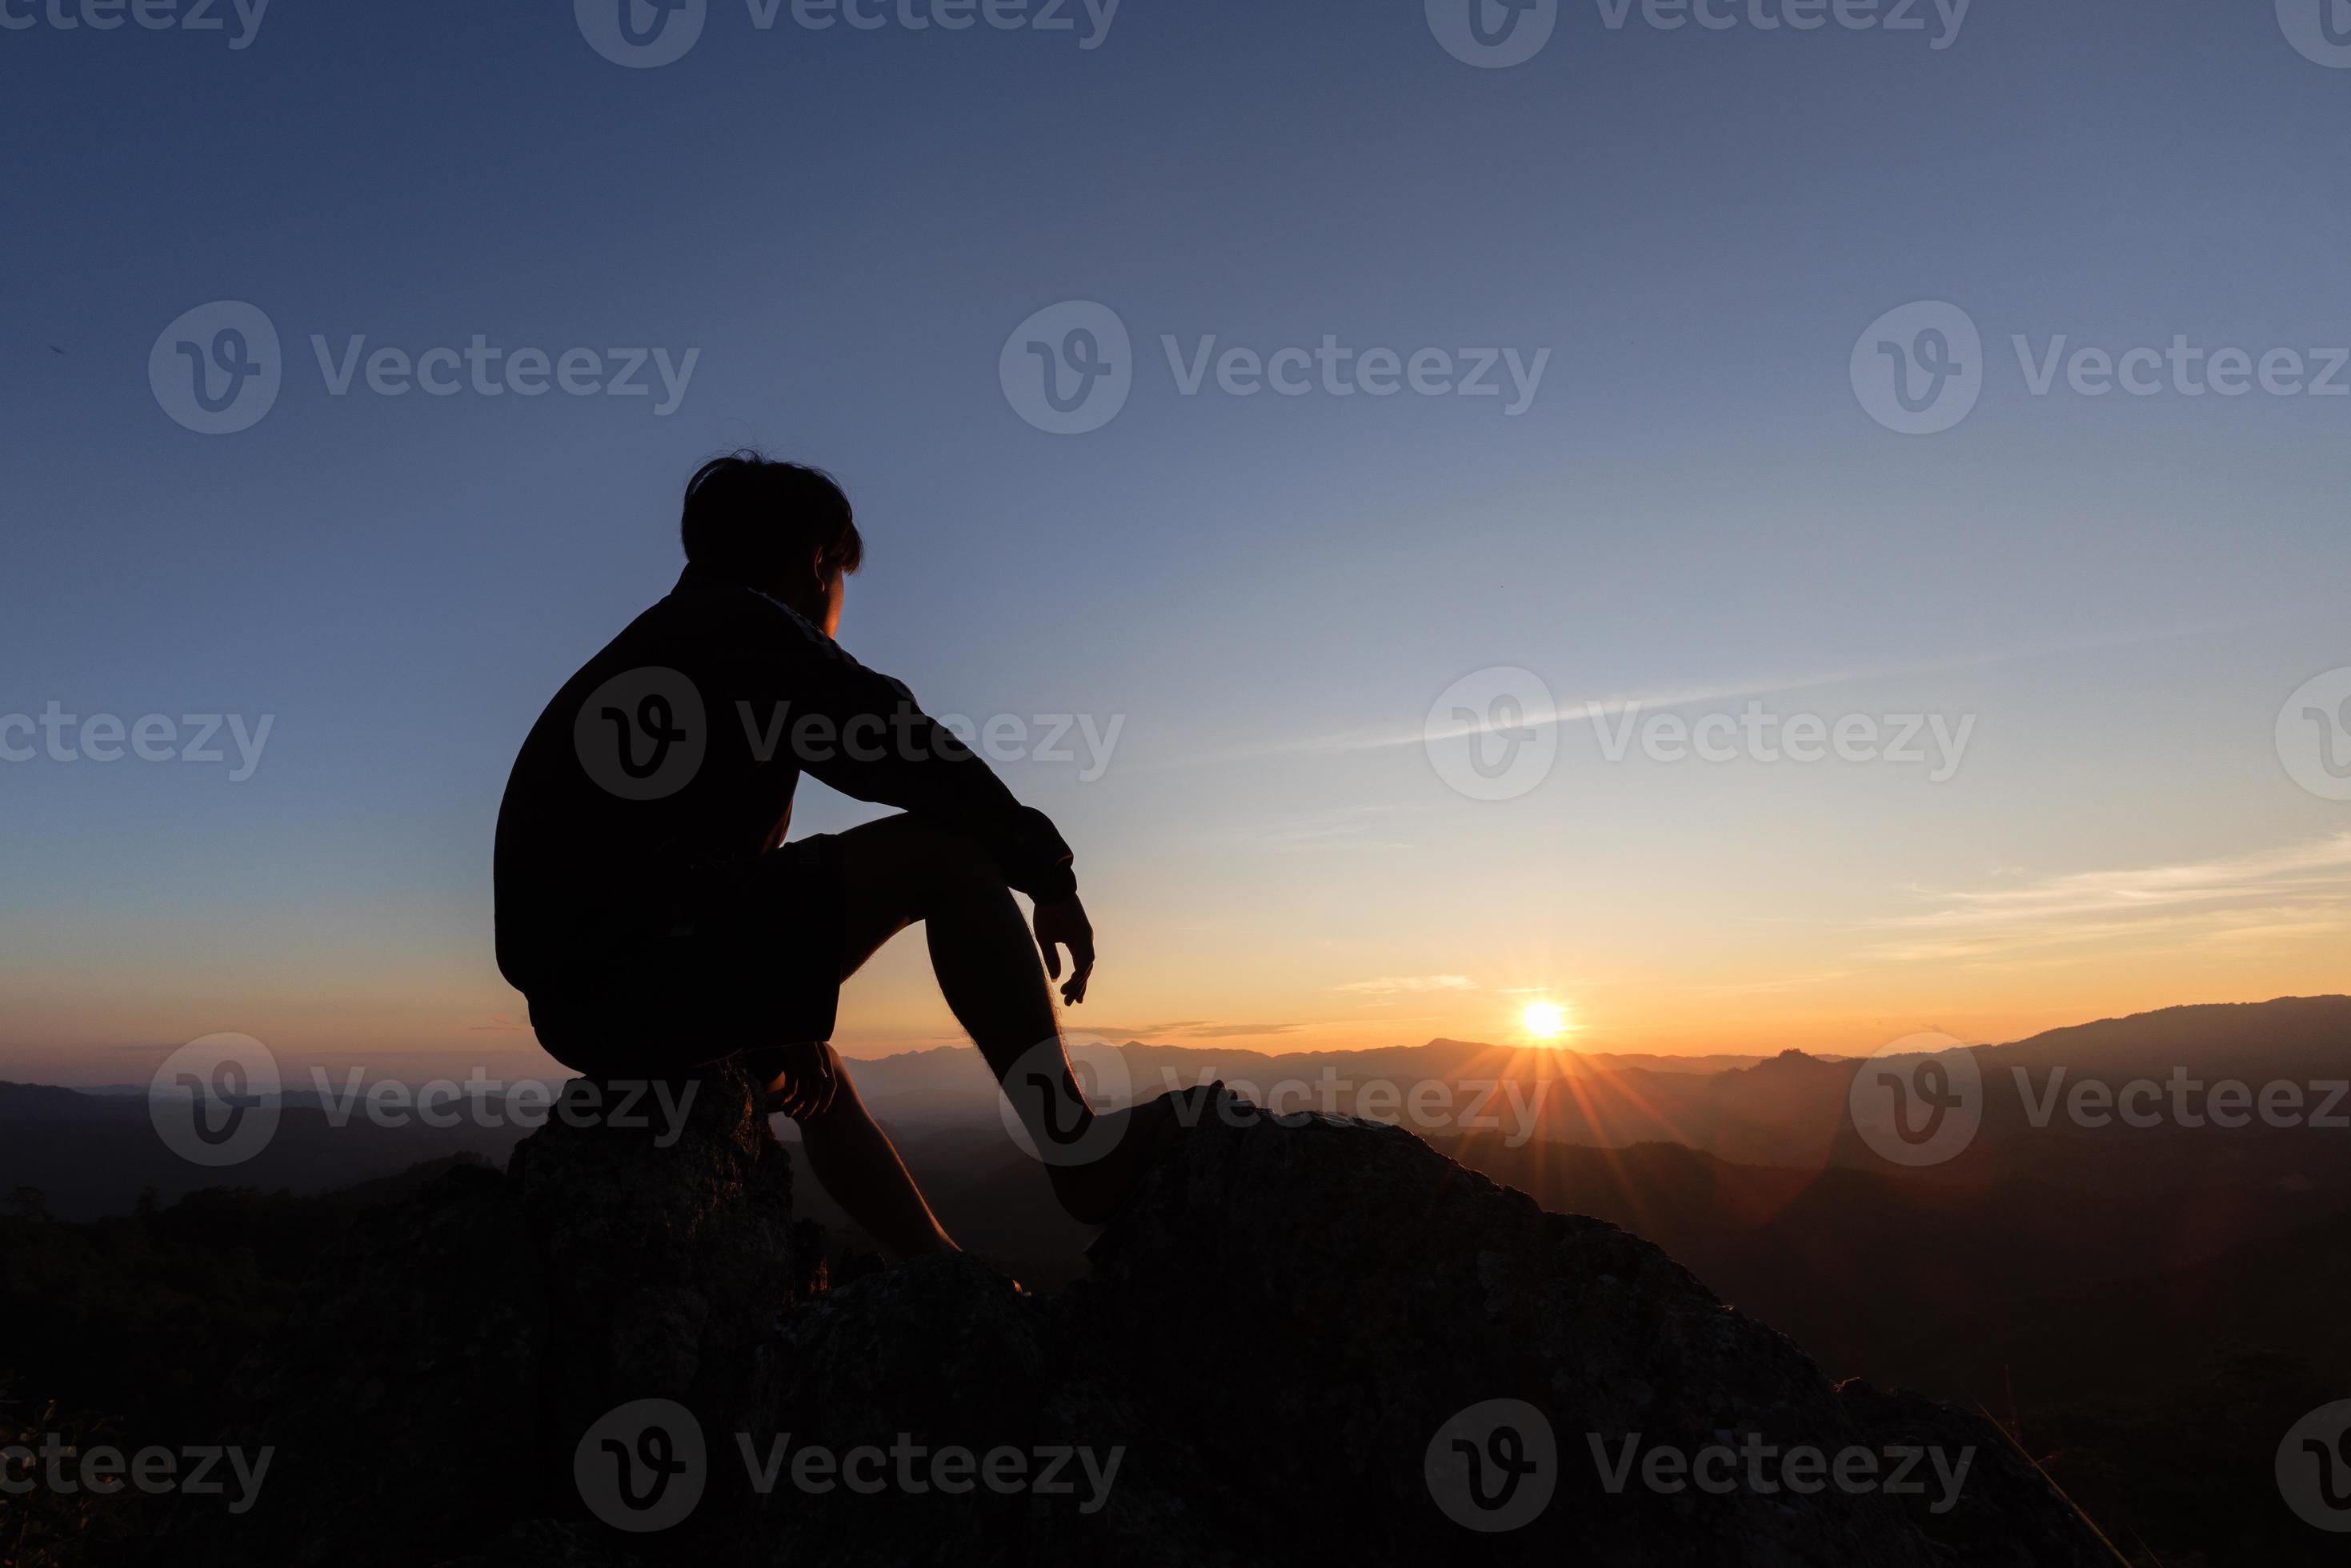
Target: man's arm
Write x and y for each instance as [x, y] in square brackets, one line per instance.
[911, 761]
[863, 734]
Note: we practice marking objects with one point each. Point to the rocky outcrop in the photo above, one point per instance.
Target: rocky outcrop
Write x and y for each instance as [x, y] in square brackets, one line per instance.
[667, 1264]
[1382, 1289]
[394, 1406]
[1308, 1339]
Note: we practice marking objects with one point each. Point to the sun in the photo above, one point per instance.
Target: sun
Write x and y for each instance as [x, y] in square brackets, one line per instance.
[1545, 1019]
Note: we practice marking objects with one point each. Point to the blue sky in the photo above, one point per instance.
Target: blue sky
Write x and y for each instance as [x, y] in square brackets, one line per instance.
[847, 224]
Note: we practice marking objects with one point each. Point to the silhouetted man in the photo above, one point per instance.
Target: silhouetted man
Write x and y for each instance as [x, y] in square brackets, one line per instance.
[651, 910]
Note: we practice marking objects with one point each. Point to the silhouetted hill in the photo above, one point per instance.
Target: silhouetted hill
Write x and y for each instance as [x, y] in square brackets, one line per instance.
[1287, 1309]
[2144, 1391]
[43, 1101]
[93, 1155]
[2154, 1332]
[2160, 1399]
[94, 1152]
[2300, 1037]
[1855, 1263]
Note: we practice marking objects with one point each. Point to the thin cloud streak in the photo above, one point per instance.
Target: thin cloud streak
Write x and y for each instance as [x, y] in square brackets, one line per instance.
[2295, 890]
[1409, 984]
[1382, 739]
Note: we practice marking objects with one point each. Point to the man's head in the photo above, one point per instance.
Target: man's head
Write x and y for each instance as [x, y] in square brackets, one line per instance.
[779, 527]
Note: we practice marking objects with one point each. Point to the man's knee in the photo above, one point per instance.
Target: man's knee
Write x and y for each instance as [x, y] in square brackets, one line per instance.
[936, 860]
[959, 869]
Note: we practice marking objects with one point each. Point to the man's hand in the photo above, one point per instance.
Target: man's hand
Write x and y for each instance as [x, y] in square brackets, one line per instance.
[806, 1078]
[1064, 925]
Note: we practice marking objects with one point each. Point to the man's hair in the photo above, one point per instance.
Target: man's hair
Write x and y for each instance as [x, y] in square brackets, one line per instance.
[753, 520]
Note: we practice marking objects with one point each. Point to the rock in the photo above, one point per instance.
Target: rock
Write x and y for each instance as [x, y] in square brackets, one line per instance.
[946, 1353]
[667, 1264]
[2006, 1516]
[1382, 1289]
[1290, 1351]
[551, 1544]
[435, 1400]
[396, 1387]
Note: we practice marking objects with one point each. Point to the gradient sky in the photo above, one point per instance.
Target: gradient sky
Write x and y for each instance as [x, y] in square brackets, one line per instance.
[1272, 591]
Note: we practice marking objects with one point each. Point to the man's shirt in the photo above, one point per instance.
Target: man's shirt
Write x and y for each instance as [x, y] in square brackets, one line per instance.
[667, 767]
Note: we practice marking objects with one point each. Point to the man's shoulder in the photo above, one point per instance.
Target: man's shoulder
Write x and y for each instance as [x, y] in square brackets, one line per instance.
[715, 605]
[725, 619]
[709, 621]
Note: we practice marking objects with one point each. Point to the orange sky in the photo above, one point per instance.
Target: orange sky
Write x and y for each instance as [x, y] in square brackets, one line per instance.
[1999, 962]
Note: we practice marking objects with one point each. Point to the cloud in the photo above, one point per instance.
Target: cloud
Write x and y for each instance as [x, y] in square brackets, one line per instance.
[2297, 890]
[1384, 738]
[1195, 1029]
[1340, 827]
[1132, 1030]
[1413, 984]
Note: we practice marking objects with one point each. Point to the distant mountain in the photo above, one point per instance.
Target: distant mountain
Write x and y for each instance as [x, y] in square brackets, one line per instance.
[1789, 1110]
[1857, 1264]
[2160, 1399]
[94, 1152]
[2151, 1335]
[44, 1100]
[2292, 1037]
[1815, 1232]
[2166, 1070]
[92, 1156]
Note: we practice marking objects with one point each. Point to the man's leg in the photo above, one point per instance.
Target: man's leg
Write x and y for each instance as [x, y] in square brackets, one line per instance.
[855, 1162]
[902, 869]
[895, 872]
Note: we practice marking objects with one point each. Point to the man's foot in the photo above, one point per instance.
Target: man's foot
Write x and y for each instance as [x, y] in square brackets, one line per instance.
[1094, 1192]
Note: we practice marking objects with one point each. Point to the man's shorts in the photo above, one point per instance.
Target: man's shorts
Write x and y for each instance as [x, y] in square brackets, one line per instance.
[758, 966]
